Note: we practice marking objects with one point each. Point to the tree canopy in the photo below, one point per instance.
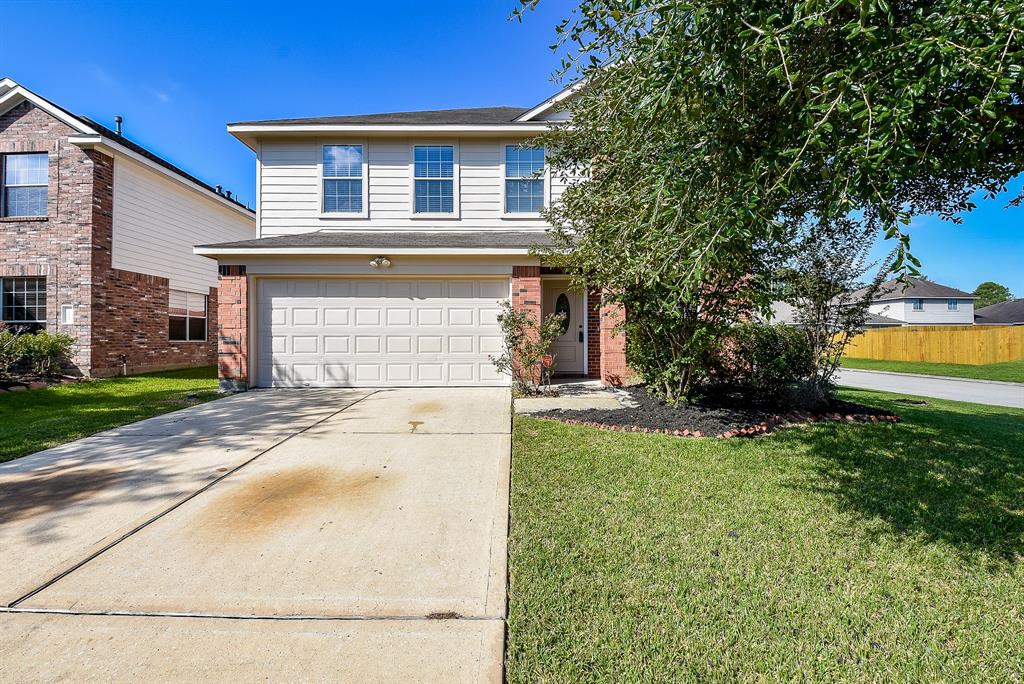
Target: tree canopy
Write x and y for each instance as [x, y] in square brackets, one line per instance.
[990, 292]
[707, 134]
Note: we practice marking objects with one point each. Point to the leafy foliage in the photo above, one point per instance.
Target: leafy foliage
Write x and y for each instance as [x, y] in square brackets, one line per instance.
[525, 347]
[766, 362]
[41, 353]
[8, 350]
[824, 282]
[707, 135]
[990, 293]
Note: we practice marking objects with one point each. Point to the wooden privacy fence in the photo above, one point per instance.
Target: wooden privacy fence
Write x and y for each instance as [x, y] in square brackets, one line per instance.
[971, 344]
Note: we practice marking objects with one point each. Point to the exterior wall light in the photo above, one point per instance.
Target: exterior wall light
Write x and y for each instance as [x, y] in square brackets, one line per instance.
[380, 262]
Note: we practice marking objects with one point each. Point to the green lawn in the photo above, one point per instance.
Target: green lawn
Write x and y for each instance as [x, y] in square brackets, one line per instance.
[38, 419]
[824, 553]
[1011, 371]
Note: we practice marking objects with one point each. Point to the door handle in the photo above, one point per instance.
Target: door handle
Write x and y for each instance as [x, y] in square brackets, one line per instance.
[581, 333]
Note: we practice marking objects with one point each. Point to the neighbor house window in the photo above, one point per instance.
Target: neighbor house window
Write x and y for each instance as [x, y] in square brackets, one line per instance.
[186, 316]
[918, 305]
[23, 184]
[524, 179]
[434, 179]
[23, 302]
[343, 179]
[951, 305]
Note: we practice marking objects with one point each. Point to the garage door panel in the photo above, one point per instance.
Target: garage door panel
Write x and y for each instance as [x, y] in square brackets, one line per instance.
[338, 332]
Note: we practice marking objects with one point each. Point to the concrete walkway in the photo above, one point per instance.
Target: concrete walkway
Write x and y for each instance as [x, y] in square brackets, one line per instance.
[958, 389]
[310, 535]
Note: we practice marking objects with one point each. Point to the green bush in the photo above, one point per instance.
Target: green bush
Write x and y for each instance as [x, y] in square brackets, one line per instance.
[768, 362]
[43, 353]
[8, 351]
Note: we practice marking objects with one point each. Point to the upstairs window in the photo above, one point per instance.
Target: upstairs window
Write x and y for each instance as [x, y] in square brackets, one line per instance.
[23, 184]
[918, 305]
[951, 305]
[186, 313]
[343, 179]
[434, 179]
[23, 302]
[524, 179]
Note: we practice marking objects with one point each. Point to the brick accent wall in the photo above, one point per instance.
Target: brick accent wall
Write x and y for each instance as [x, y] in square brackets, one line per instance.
[56, 246]
[593, 334]
[233, 328]
[613, 345]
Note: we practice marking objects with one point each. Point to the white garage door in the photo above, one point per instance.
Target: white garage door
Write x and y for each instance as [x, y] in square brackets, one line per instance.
[375, 332]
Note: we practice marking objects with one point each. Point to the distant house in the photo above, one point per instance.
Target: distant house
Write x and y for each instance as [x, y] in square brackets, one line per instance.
[921, 302]
[96, 236]
[1003, 313]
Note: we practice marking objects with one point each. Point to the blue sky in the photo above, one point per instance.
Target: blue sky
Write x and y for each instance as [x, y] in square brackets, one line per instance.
[178, 72]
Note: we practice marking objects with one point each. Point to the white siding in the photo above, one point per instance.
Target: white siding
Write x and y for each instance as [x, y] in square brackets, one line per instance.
[157, 222]
[935, 312]
[289, 192]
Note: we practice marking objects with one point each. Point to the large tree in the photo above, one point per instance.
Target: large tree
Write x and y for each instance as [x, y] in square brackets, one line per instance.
[708, 131]
[990, 292]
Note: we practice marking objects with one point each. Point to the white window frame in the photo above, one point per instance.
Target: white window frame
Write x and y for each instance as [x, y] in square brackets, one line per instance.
[914, 304]
[187, 316]
[4, 185]
[952, 305]
[434, 215]
[365, 213]
[532, 215]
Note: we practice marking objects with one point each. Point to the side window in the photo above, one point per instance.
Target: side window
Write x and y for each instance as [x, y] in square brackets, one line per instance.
[951, 305]
[23, 302]
[343, 179]
[186, 316]
[24, 182]
[918, 305]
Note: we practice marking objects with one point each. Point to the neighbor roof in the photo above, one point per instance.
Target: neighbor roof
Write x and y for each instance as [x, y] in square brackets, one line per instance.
[89, 126]
[878, 319]
[1007, 313]
[382, 241]
[477, 115]
[915, 288]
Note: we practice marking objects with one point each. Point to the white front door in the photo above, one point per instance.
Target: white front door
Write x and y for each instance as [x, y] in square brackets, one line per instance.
[374, 332]
[568, 347]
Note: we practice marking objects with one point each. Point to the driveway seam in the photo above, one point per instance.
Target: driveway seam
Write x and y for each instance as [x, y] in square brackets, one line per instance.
[175, 506]
[231, 616]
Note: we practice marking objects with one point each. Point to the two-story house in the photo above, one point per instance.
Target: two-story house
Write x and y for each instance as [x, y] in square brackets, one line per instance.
[923, 302]
[96, 237]
[386, 243]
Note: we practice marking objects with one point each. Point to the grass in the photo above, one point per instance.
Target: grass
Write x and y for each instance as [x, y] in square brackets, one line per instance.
[1011, 371]
[828, 552]
[38, 419]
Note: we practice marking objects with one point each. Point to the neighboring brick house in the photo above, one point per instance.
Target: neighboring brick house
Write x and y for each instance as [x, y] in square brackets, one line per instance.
[386, 243]
[96, 238]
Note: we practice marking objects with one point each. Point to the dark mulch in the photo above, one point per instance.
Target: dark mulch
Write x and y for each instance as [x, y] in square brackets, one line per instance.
[27, 382]
[723, 416]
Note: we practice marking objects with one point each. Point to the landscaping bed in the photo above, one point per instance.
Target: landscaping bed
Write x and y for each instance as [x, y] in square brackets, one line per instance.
[725, 416]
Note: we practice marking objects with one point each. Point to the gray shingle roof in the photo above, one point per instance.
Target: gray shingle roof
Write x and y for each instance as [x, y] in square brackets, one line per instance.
[916, 288]
[1007, 313]
[878, 319]
[477, 115]
[382, 240]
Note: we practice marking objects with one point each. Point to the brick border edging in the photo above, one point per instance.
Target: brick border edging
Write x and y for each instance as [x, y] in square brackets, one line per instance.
[762, 428]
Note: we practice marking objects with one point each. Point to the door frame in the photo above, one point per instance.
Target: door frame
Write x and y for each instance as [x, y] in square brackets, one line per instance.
[549, 277]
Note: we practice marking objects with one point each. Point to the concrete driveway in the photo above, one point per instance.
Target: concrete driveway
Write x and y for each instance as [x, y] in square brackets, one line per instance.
[309, 535]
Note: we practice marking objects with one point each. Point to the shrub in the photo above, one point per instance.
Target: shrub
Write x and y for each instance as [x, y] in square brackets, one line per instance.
[8, 350]
[43, 353]
[767, 362]
[525, 345]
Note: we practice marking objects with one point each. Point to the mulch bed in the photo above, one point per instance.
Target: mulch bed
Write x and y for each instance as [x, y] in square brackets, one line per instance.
[723, 417]
[20, 384]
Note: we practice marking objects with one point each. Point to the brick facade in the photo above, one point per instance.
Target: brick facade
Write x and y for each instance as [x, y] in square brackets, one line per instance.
[593, 334]
[115, 312]
[233, 328]
[613, 345]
